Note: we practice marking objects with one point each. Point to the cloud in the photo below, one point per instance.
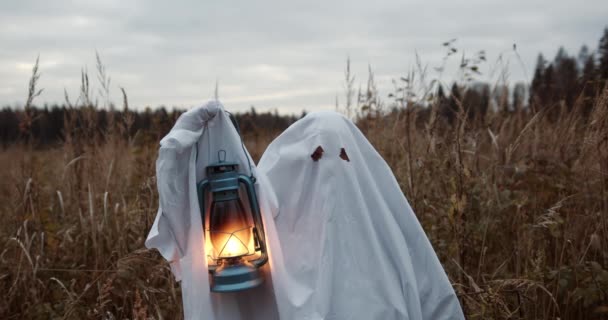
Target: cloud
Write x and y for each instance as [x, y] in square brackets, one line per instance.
[271, 54]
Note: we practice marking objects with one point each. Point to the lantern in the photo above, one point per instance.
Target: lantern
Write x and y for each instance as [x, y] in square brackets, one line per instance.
[234, 233]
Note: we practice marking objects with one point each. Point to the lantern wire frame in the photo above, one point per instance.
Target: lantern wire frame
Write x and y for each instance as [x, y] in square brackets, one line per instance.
[249, 247]
[232, 235]
[214, 255]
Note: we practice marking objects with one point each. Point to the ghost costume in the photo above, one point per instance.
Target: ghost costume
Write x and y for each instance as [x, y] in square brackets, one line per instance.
[349, 241]
[177, 232]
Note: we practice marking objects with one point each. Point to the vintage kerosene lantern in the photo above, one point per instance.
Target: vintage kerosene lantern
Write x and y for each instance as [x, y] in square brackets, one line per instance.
[234, 233]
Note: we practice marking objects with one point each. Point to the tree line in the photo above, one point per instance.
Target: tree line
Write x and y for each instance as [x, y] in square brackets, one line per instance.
[566, 82]
[50, 125]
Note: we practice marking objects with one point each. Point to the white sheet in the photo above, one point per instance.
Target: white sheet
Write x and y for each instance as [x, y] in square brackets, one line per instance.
[177, 233]
[351, 246]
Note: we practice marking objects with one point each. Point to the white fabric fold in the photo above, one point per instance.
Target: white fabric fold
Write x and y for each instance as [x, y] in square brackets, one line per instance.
[177, 232]
[351, 245]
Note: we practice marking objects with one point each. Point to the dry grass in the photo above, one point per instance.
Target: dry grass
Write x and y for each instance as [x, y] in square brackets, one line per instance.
[74, 222]
[516, 205]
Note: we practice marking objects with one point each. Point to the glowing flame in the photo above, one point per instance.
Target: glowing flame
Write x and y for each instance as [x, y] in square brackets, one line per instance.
[235, 244]
[230, 232]
[233, 248]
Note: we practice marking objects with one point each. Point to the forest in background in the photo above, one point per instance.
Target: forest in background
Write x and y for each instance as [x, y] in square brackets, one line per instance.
[557, 83]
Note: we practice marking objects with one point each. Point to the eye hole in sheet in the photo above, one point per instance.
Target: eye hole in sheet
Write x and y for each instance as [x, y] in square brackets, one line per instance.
[317, 154]
[343, 155]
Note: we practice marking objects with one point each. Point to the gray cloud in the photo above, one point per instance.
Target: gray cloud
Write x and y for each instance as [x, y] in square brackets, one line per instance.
[271, 54]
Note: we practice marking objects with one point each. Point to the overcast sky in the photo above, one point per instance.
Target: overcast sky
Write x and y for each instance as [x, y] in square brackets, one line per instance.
[286, 55]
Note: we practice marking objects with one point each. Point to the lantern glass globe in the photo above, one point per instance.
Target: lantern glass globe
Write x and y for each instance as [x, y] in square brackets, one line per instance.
[230, 230]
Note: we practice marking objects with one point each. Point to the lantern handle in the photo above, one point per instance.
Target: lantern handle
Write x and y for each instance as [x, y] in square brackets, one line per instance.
[257, 216]
[221, 155]
[200, 188]
[238, 130]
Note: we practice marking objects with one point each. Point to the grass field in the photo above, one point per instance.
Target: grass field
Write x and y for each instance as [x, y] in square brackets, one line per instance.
[515, 204]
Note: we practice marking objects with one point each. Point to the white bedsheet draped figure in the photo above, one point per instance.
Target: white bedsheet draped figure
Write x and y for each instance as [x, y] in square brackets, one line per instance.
[177, 232]
[349, 240]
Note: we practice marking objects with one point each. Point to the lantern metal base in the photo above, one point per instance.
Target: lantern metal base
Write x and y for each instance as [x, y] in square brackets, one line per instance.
[235, 278]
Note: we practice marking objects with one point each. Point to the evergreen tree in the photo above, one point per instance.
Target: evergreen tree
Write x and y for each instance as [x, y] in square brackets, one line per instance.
[589, 84]
[603, 55]
[537, 82]
[583, 55]
[566, 75]
[476, 99]
[440, 94]
[548, 84]
[442, 101]
[589, 74]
